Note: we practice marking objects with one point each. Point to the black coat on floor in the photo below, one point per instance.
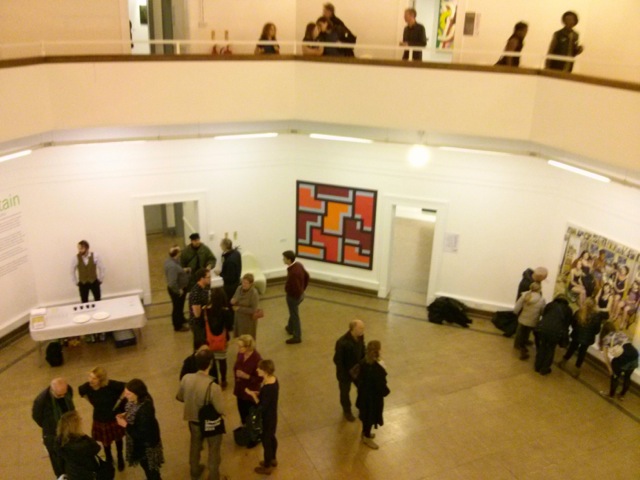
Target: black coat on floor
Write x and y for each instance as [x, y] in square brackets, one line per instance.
[372, 388]
[79, 457]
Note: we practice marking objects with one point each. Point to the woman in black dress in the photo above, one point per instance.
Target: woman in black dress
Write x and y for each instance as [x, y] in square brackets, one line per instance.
[514, 44]
[267, 399]
[77, 450]
[106, 397]
[372, 388]
[144, 446]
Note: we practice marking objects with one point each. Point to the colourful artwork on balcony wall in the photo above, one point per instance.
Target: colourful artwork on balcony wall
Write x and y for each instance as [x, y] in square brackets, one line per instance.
[447, 24]
[335, 224]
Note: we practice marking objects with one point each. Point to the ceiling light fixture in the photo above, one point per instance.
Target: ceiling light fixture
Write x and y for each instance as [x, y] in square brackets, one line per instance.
[336, 138]
[243, 136]
[418, 155]
[579, 171]
[11, 156]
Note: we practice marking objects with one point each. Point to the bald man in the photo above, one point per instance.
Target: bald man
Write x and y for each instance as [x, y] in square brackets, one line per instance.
[528, 277]
[48, 407]
[349, 351]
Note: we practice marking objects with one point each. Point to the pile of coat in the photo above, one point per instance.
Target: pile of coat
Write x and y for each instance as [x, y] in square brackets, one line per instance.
[445, 309]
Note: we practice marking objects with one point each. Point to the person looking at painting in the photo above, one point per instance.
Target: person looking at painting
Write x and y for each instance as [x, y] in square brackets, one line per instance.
[87, 272]
[414, 35]
[552, 330]
[514, 44]
[528, 308]
[268, 35]
[565, 43]
[620, 357]
[528, 277]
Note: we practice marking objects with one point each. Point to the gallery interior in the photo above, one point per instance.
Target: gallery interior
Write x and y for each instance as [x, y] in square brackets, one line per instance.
[134, 150]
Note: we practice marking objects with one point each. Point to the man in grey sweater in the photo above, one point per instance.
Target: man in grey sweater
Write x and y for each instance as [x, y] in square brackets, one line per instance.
[177, 281]
[193, 392]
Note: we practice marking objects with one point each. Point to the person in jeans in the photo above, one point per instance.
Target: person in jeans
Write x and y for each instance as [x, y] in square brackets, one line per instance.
[584, 329]
[177, 281]
[193, 392]
[297, 282]
[348, 352]
[528, 308]
[87, 272]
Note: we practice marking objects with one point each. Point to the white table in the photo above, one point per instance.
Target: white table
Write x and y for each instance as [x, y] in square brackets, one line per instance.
[124, 313]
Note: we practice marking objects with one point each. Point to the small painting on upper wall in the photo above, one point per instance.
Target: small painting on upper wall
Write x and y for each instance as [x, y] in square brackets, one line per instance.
[144, 15]
[335, 224]
[597, 268]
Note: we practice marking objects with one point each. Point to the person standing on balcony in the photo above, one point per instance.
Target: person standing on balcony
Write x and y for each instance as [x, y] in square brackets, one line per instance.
[565, 43]
[344, 35]
[514, 44]
[268, 35]
[414, 35]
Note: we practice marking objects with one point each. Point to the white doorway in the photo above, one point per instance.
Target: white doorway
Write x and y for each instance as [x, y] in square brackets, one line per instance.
[413, 231]
[166, 224]
[139, 24]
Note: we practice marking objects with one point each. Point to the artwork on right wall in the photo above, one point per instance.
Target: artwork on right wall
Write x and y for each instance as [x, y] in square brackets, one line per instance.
[597, 267]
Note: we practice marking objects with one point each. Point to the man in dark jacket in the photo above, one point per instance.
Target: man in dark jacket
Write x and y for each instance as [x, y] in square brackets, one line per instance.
[195, 256]
[231, 267]
[552, 329]
[297, 281]
[528, 277]
[349, 351]
[48, 407]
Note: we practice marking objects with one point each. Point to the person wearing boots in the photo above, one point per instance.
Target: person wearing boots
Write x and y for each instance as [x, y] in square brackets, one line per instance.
[105, 395]
[348, 352]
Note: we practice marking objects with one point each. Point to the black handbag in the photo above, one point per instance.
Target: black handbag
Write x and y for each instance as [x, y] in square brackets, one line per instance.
[253, 424]
[211, 422]
[105, 470]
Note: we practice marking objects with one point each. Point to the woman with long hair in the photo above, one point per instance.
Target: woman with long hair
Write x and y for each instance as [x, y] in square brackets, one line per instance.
[620, 357]
[267, 400]
[372, 388]
[311, 34]
[268, 35]
[529, 307]
[144, 446]
[585, 326]
[77, 450]
[217, 326]
[105, 395]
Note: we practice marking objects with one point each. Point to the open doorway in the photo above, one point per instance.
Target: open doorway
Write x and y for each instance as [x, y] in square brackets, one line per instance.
[410, 262]
[166, 225]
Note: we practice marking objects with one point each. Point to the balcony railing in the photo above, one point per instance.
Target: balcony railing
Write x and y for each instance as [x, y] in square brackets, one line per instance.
[608, 68]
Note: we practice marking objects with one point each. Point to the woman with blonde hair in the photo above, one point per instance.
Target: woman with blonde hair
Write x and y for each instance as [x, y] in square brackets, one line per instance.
[372, 388]
[529, 307]
[105, 395]
[77, 450]
[585, 326]
[246, 375]
[244, 304]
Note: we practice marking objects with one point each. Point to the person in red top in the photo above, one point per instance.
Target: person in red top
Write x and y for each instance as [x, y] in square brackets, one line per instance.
[297, 281]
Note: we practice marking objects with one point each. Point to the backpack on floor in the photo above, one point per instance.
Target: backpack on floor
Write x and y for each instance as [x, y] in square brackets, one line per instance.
[54, 354]
[507, 321]
[445, 309]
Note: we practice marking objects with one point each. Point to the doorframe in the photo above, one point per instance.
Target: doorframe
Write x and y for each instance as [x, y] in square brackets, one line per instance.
[140, 245]
[389, 204]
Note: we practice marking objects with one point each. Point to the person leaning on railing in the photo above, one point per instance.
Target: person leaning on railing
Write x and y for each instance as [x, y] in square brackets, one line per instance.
[311, 35]
[328, 35]
[268, 35]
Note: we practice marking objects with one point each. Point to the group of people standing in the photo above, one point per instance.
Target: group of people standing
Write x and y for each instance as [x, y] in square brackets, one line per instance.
[555, 323]
[564, 43]
[120, 412]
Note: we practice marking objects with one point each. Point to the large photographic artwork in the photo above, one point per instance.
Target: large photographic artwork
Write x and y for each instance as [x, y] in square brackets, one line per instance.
[596, 267]
[335, 224]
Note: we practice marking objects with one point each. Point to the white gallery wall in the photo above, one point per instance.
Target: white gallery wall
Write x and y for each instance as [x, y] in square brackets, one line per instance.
[509, 212]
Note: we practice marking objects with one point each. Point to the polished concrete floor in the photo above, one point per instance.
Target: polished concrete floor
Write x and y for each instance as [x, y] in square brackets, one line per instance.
[462, 406]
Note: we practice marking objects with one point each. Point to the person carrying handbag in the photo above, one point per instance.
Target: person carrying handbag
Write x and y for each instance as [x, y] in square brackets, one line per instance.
[197, 390]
